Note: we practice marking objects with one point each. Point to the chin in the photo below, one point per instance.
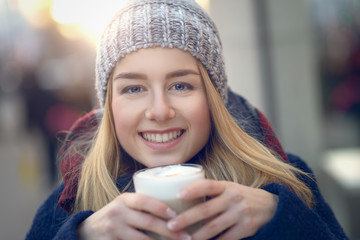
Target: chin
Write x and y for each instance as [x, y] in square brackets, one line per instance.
[161, 161]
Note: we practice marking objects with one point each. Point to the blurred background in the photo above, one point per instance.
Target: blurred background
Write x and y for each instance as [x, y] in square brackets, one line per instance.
[296, 60]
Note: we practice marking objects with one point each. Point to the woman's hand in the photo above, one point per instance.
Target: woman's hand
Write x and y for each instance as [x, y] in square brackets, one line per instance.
[234, 211]
[126, 216]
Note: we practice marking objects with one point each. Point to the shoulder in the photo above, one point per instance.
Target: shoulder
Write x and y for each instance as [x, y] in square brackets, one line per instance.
[52, 201]
[53, 222]
[293, 219]
[50, 209]
[297, 162]
[49, 217]
[251, 120]
[310, 179]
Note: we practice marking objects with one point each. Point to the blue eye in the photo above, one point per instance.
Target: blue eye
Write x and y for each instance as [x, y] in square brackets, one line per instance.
[182, 87]
[179, 87]
[132, 89]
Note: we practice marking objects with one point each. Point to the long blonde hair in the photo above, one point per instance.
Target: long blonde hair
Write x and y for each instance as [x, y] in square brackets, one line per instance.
[231, 155]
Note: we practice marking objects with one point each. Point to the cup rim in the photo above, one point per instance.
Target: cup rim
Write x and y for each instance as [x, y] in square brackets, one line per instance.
[169, 165]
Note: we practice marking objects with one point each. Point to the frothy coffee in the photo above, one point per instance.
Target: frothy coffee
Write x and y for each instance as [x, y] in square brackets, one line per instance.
[164, 183]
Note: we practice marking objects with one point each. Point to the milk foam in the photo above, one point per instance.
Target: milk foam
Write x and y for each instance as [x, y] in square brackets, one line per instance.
[169, 171]
[165, 182]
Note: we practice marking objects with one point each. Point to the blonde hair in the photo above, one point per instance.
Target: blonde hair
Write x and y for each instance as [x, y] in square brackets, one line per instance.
[102, 165]
[231, 155]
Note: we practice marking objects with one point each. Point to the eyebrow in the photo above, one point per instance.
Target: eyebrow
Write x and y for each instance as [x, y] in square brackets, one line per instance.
[178, 73]
[181, 73]
[129, 75]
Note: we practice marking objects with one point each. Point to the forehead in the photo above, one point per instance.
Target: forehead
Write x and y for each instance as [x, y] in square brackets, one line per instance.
[152, 58]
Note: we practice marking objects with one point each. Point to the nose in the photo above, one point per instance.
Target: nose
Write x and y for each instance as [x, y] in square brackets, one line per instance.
[160, 109]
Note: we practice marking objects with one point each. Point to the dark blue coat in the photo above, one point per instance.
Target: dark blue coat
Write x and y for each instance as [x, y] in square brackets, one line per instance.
[293, 219]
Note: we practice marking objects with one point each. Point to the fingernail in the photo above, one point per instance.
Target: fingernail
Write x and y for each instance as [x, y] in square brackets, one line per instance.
[170, 213]
[185, 236]
[172, 225]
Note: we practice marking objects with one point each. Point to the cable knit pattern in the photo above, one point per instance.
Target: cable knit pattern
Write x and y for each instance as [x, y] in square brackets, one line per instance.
[178, 24]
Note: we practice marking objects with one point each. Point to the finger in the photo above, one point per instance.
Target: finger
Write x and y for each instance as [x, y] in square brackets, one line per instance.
[202, 188]
[197, 213]
[132, 234]
[148, 204]
[215, 227]
[148, 222]
[239, 231]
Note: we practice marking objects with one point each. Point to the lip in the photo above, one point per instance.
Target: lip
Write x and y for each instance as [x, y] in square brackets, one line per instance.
[163, 145]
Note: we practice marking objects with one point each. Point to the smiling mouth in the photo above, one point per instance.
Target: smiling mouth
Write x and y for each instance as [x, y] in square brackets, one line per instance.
[162, 137]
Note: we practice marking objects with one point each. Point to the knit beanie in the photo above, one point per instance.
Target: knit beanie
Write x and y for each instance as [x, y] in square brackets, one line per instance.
[181, 24]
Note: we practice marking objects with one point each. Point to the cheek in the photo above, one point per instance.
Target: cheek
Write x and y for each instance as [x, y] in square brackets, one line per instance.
[197, 112]
[123, 119]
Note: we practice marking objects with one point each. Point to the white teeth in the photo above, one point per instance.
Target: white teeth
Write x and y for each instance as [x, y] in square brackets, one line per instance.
[165, 137]
[158, 138]
[161, 138]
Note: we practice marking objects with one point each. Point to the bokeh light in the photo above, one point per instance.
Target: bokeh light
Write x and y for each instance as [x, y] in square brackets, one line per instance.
[36, 12]
[75, 18]
[83, 18]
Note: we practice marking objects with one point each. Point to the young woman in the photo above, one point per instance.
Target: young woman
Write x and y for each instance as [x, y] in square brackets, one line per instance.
[164, 100]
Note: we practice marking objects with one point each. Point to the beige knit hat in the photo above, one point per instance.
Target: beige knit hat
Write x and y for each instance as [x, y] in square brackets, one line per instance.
[179, 24]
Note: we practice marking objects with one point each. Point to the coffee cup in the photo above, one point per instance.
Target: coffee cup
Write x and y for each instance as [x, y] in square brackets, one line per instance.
[165, 182]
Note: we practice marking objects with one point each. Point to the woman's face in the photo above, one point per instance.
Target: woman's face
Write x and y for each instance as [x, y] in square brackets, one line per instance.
[161, 112]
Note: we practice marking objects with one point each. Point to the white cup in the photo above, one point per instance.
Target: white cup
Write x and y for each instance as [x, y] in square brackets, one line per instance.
[165, 182]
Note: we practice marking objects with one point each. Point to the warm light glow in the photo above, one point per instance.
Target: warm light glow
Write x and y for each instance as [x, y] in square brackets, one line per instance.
[35, 11]
[77, 18]
[204, 4]
[87, 18]
[66, 11]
